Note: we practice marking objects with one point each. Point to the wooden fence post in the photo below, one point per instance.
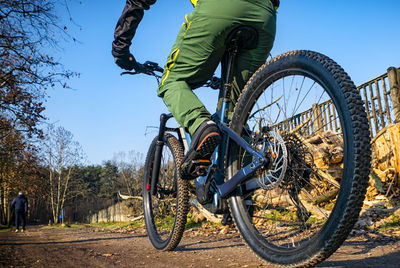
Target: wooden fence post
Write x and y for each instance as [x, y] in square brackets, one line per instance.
[317, 118]
[394, 82]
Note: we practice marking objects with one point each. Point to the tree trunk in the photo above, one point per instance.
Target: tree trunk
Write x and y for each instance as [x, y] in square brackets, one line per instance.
[7, 205]
[52, 194]
[58, 193]
[2, 220]
[1, 205]
[128, 188]
[65, 188]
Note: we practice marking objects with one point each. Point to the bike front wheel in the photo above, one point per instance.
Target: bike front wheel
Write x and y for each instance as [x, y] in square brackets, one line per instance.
[165, 208]
[305, 114]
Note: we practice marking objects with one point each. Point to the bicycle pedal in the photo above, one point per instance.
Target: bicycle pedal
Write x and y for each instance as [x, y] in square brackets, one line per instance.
[195, 168]
[201, 171]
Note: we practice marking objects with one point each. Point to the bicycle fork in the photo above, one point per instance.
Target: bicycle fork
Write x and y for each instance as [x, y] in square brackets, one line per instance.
[158, 153]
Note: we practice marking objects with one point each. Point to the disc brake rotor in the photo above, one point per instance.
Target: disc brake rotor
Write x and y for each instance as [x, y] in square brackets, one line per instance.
[274, 147]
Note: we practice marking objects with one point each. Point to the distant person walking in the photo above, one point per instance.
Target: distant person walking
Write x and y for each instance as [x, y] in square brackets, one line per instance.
[20, 204]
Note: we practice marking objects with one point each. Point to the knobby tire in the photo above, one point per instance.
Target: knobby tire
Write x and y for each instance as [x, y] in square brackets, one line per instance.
[171, 200]
[328, 233]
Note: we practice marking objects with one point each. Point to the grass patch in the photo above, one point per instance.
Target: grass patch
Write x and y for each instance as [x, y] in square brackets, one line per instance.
[394, 223]
[190, 224]
[65, 226]
[103, 225]
[137, 224]
[209, 224]
[5, 228]
[117, 225]
[278, 215]
[166, 222]
[109, 225]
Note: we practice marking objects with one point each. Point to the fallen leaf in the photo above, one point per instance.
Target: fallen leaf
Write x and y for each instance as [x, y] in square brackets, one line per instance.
[107, 255]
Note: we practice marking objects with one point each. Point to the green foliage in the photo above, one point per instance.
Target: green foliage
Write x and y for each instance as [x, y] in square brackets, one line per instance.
[278, 215]
[166, 222]
[190, 224]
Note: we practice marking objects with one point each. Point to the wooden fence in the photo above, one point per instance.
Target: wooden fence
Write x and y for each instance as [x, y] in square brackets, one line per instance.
[381, 97]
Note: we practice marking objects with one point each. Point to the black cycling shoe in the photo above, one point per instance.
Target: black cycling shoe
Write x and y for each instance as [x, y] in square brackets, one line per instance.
[198, 159]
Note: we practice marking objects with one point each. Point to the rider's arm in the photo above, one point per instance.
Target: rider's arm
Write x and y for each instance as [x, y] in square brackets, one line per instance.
[127, 25]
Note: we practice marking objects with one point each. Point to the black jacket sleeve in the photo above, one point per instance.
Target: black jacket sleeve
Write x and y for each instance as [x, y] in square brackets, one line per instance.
[127, 25]
[13, 203]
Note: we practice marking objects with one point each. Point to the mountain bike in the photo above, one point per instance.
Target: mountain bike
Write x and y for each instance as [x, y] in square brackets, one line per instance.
[290, 206]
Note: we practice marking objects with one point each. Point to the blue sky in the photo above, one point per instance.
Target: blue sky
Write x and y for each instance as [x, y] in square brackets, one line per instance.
[108, 113]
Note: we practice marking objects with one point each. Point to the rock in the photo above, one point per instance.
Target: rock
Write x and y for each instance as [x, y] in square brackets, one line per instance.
[360, 224]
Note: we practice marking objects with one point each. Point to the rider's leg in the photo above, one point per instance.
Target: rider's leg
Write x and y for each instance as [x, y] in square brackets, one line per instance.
[248, 61]
[18, 218]
[196, 54]
[199, 48]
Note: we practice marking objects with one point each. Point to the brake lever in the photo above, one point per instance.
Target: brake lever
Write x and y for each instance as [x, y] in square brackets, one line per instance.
[153, 66]
[130, 73]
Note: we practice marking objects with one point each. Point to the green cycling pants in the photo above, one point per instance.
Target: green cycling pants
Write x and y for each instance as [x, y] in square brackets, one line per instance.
[200, 47]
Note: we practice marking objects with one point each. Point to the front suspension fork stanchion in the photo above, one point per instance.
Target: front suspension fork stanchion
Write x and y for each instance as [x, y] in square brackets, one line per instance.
[158, 153]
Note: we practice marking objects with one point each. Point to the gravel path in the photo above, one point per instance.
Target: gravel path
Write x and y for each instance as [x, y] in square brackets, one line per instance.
[93, 247]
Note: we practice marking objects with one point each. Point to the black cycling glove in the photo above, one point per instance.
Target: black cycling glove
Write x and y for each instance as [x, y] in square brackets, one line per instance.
[128, 62]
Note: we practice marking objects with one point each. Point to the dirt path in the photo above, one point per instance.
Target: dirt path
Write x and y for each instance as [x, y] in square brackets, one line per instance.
[90, 247]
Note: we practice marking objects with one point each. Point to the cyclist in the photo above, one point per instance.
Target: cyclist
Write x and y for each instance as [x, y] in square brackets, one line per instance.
[197, 51]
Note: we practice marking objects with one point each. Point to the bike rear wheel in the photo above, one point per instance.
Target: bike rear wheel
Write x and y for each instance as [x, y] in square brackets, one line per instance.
[165, 212]
[308, 198]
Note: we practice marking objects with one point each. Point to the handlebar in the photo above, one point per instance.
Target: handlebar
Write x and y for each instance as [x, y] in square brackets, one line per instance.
[152, 67]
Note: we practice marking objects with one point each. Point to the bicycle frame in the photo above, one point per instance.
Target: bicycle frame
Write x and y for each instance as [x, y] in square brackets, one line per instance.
[259, 159]
[224, 189]
[220, 188]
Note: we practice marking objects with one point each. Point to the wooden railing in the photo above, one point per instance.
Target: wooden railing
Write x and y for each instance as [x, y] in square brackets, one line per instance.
[381, 97]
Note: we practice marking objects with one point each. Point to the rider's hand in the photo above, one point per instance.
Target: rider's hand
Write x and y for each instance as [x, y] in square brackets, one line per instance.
[129, 63]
